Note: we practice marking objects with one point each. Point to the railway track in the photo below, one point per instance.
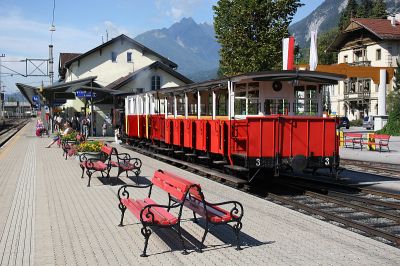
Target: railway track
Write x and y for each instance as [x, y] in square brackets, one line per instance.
[10, 129]
[392, 170]
[368, 212]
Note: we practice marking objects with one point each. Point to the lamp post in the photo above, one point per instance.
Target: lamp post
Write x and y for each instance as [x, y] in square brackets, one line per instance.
[1, 88]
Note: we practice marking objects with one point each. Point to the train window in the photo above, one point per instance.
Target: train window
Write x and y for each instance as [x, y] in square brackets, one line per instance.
[240, 106]
[253, 94]
[240, 87]
[181, 105]
[276, 106]
[253, 86]
[299, 94]
[222, 106]
[253, 107]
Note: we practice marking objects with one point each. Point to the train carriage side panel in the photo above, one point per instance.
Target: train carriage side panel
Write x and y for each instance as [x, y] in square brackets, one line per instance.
[142, 126]
[297, 143]
[133, 126]
[201, 133]
[169, 131]
[238, 136]
[153, 125]
[187, 133]
[262, 141]
[178, 132]
[331, 141]
[216, 136]
[317, 138]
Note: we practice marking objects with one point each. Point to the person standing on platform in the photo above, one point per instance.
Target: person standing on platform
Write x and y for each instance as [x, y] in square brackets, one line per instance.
[104, 128]
[116, 135]
[85, 127]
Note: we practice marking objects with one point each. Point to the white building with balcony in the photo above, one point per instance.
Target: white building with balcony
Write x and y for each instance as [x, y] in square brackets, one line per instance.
[370, 45]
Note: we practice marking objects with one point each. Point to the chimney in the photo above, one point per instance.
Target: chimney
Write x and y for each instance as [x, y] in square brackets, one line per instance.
[392, 20]
[397, 17]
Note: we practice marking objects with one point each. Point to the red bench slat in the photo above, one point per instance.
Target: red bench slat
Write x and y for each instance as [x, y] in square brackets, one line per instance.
[214, 213]
[175, 187]
[161, 216]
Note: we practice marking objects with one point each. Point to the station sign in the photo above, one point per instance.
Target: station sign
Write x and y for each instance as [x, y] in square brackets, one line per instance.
[85, 94]
[35, 98]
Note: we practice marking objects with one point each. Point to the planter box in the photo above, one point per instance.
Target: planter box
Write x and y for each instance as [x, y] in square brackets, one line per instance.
[89, 155]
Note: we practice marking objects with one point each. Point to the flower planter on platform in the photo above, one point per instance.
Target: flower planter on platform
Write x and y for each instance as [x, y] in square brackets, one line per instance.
[89, 155]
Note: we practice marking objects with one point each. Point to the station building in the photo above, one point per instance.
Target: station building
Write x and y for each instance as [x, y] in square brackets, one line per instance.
[96, 81]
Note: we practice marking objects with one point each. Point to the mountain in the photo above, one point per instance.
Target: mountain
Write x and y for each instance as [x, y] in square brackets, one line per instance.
[325, 17]
[192, 46]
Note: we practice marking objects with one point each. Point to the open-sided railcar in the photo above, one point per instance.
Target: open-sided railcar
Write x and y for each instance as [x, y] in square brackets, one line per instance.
[253, 121]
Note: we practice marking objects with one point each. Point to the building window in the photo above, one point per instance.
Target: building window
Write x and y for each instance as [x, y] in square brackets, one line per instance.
[378, 54]
[155, 83]
[128, 57]
[346, 59]
[113, 57]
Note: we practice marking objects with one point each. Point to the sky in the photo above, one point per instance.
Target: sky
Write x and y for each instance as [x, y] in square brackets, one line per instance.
[82, 25]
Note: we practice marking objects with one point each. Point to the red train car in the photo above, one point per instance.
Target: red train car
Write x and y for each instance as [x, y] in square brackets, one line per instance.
[266, 120]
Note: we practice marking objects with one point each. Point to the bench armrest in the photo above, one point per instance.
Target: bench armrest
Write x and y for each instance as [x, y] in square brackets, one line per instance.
[236, 211]
[124, 193]
[137, 163]
[146, 215]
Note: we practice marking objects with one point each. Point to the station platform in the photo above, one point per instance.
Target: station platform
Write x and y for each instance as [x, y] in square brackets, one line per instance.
[392, 157]
[48, 216]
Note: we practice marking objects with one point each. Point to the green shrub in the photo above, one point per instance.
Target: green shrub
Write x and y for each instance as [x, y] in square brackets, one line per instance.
[356, 123]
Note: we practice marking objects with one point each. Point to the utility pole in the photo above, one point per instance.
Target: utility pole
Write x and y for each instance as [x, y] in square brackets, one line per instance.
[1, 87]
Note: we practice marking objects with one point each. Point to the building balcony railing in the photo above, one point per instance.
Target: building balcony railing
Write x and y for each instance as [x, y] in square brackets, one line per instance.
[357, 94]
[360, 63]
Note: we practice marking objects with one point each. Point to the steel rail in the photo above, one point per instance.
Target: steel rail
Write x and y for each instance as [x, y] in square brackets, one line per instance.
[354, 206]
[380, 193]
[365, 228]
[16, 127]
[392, 205]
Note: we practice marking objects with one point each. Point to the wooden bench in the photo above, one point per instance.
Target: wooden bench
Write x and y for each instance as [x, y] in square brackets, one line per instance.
[212, 213]
[151, 214]
[109, 157]
[353, 138]
[381, 140]
[190, 196]
[102, 164]
[126, 163]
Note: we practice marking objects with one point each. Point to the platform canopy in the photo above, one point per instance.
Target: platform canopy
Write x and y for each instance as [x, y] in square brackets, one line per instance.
[318, 77]
[65, 90]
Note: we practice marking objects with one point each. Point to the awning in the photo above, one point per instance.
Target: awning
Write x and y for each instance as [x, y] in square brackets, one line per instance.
[28, 91]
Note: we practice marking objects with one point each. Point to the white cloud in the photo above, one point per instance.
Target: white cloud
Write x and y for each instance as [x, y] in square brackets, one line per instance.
[114, 30]
[21, 38]
[177, 9]
[175, 13]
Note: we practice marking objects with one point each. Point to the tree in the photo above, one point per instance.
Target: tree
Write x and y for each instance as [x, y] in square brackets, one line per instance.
[365, 8]
[379, 9]
[393, 125]
[325, 40]
[250, 33]
[349, 12]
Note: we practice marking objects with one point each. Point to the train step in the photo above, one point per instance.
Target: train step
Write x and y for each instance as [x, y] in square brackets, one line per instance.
[204, 158]
[179, 152]
[236, 168]
[220, 162]
[190, 155]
